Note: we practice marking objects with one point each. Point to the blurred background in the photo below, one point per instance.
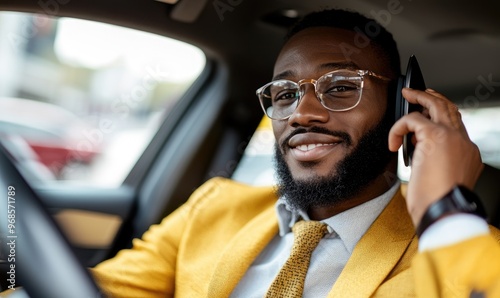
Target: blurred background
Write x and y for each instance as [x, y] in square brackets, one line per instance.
[79, 100]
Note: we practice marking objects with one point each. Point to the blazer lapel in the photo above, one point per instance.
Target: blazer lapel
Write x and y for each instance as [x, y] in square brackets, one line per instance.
[377, 252]
[241, 252]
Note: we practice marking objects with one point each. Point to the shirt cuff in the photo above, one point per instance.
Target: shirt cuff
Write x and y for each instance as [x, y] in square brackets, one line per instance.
[451, 230]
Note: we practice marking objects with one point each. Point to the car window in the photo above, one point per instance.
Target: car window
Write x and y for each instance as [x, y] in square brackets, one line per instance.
[256, 166]
[483, 126]
[87, 97]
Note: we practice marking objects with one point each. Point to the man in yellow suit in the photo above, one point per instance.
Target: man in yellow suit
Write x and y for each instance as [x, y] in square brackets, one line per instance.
[331, 101]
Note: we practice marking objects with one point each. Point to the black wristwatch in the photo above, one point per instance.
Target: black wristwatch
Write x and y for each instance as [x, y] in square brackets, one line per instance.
[459, 200]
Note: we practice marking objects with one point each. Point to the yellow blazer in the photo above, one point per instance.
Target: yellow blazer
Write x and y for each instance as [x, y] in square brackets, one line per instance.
[205, 247]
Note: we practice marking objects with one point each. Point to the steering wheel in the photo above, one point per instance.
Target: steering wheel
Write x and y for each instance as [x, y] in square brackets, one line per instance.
[44, 261]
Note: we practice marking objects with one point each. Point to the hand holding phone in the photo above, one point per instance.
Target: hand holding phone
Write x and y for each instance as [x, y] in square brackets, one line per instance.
[413, 79]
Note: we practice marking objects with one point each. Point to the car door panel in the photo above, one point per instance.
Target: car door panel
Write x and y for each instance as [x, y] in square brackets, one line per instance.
[91, 218]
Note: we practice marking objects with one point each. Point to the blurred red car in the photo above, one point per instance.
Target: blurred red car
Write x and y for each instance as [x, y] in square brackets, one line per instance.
[56, 135]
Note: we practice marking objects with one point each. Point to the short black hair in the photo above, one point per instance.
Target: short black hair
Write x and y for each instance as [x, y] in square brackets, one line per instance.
[353, 21]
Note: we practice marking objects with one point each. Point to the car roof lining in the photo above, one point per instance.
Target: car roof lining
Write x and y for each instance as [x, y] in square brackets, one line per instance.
[188, 11]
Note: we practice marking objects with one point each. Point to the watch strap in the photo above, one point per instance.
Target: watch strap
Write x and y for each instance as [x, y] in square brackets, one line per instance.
[459, 200]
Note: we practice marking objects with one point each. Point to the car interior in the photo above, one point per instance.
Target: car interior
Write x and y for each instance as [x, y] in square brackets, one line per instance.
[195, 128]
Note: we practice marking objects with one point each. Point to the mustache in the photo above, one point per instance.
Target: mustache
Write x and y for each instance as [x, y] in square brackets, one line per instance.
[345, 137]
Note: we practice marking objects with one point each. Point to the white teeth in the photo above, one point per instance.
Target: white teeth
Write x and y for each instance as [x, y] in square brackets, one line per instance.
[309, 147]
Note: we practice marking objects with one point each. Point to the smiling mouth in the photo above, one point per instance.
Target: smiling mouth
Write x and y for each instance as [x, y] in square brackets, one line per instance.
[314, 145]
[309, 147]
[312, 152]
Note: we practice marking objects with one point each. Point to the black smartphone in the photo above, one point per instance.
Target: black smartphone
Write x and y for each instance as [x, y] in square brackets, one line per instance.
[413, 79]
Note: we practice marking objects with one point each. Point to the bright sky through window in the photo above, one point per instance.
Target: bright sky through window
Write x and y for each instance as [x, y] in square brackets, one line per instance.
[96, 45]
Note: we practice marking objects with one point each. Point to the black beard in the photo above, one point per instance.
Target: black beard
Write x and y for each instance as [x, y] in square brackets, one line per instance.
[352, 174]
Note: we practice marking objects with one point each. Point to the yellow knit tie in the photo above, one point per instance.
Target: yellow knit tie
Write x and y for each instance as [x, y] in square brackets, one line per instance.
[290, 280]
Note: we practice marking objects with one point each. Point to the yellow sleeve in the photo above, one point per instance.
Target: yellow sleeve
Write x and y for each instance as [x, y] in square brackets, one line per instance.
[148, 268]
[465, 269]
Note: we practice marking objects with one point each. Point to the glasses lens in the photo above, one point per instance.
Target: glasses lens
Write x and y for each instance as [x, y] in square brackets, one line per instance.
[340, 90]
[279, 98]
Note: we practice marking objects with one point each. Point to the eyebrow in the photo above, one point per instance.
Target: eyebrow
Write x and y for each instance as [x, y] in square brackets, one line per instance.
[330, 66]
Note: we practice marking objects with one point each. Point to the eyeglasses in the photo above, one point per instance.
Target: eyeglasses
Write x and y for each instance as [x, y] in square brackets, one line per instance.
[338, 91]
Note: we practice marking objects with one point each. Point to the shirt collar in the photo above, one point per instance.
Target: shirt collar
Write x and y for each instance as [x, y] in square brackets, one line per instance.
[349, 225]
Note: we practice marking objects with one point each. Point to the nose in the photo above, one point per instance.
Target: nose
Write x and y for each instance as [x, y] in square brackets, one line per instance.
[309, 109]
